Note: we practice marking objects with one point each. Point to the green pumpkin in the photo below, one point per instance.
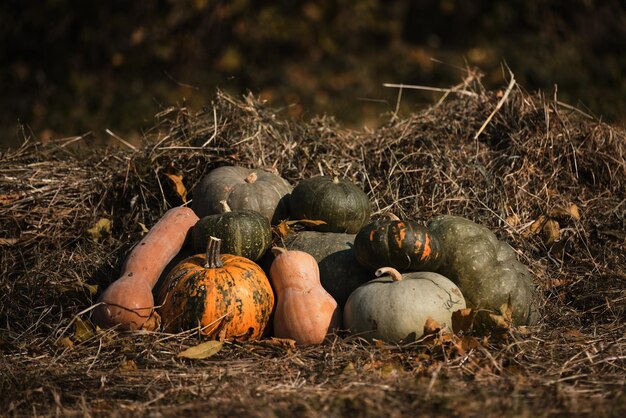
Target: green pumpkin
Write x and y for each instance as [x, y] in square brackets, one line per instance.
[243, 232]
[242, 189]
[395, 307]
[485, 269]
[340, 203]
[403, 245]
[340, 273]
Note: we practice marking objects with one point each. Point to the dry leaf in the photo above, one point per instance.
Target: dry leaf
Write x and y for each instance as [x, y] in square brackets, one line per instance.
[536, 226]
[570, 211]
[128, 366]
[513, 220]
[101, 230]
[286, 343]
[144, 230]
[551, 231]
[431, 326]
[7, 199]
[349, 370]
[179, 187]
[83, 330]
[203, 350]
[573, 335]
[153, 323]
[462, 320]
[469, 343]
[8, 241]
[285, 227]
[65, 342]
[91, 288]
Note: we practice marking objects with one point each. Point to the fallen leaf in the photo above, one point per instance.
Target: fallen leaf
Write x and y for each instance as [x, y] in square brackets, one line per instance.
[462, 320]
[8, 241]
[571, 211]
[513, 220]
[7, 199]
[65, 342]
[468, 342]
[91, 288]
[101, 230]
[431, 326]
[349, 370]
[128, 366]
[83, 330]
[179, 187]
[286, 343]
[573, 335]
[144, 230]
[153, 323]
[285, 227]
[552, 232]
[536, 226]
[203, 350]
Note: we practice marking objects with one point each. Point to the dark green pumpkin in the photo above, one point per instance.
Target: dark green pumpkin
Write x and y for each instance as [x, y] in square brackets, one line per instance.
[485, 269]
[243, 232]
[242, 189]
[340, 273]
[403, 245]
[340, 203]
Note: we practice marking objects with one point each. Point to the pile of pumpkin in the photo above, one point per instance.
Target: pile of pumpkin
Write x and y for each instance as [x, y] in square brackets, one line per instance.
[380, 280]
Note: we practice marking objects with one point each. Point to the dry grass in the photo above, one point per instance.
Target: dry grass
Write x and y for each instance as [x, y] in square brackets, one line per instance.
[534, 157]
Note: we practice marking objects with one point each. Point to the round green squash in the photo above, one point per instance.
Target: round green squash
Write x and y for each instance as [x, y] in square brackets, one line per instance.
[340, 273]
[338, 202]
[395, 307]
[244, 233]
[242, 189]
[485, 269]
[403, 245]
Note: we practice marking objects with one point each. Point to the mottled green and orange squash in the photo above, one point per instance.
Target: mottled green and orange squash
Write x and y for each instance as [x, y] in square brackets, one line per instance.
[228, 297]
[403, 245]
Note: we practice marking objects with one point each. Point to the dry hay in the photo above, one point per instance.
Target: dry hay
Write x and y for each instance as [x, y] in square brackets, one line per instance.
[534, 158]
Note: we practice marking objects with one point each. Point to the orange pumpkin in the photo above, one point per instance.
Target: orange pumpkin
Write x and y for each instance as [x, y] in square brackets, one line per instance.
[227, 296]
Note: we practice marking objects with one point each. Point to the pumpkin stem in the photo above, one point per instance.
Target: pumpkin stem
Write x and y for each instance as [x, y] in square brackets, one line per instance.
[251, 177]
[392, 216]
[278, 251]
[395, 274]
[225, 206]
[213, 256]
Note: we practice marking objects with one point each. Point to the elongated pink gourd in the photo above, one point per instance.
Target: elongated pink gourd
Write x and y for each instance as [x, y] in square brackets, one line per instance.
[128, 302]
[305, 312]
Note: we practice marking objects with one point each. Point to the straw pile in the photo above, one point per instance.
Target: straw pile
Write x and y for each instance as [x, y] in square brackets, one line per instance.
[544, 177]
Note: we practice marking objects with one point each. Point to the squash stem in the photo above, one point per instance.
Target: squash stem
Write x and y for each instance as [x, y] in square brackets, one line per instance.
[252, 177]
[395, 274]
[213, 256]
[392, 216]
[278, 251]
[225, 206]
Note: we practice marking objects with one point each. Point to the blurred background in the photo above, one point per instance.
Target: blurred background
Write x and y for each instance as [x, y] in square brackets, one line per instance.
[70, 67]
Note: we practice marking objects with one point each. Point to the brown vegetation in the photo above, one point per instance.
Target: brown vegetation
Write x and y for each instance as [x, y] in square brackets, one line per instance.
[544, 177]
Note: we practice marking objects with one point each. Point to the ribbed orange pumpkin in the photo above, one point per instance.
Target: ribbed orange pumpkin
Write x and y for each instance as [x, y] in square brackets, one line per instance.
[228, 296]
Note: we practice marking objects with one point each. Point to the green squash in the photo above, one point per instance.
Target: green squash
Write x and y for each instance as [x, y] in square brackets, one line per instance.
[244, 233]
[485, 269]
[242, 189]
[340, 273]
[395, 307]
[403, 245]
[338, 202]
